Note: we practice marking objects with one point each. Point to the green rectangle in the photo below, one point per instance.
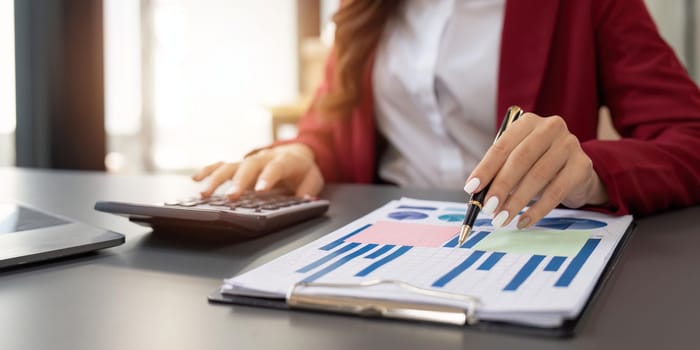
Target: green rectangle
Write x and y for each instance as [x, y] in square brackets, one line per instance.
[535, 241]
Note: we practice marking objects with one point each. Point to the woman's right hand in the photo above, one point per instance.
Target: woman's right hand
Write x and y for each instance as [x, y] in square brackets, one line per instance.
[290, 165]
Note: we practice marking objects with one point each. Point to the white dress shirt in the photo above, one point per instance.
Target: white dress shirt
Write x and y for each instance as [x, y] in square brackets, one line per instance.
[434, 80]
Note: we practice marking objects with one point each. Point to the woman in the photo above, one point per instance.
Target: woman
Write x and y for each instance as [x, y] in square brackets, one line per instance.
[412, 88]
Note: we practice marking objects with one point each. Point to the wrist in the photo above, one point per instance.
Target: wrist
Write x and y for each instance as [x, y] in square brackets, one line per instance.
[597, 194]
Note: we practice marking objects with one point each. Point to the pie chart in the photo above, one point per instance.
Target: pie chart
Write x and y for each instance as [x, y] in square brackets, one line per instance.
[570, 223]
[451, 217]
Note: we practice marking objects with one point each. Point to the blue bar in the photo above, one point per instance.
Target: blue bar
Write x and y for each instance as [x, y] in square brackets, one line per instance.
[418, 208]
[482, 222]
[380, 251]
[327, 258]
[555, 263]
[491, 260]
[341, 240]
[524, 272]
[471, 242]
[367, 270]
[340, 262]
[469, 261]
[452, 243]
[577, 262]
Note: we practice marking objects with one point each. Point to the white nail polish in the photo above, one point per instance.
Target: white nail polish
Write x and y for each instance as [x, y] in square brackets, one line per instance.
[471, 186]
[260, 185]
[490, 205]
[231, 190]
[498, 221]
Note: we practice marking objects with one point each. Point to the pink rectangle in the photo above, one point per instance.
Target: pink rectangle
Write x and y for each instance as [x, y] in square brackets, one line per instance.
[402, 233]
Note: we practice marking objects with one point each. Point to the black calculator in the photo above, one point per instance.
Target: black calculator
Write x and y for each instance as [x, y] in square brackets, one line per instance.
[253, 214]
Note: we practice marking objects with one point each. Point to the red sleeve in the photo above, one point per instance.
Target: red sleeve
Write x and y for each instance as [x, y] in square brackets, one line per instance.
[655, 107]
[317, 134]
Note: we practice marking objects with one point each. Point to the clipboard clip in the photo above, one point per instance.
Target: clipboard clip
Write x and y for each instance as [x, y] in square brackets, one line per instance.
[371, 307]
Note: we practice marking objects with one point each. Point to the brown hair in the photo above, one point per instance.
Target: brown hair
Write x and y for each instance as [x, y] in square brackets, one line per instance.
[359, 25]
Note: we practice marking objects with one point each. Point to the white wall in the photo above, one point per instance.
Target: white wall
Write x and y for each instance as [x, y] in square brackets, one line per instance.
[670, 18]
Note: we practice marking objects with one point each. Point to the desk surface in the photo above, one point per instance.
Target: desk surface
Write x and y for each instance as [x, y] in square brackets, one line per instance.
[151, 292]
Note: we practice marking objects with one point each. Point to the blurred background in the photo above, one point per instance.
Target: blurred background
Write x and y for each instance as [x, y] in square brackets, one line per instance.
[133, 86]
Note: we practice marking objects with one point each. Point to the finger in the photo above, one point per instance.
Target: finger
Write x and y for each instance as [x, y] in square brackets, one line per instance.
[247, 172]
[534, 181]
[525, 155]
[547, 132]
[222, 174]
[282, 166]
[569, 177]
[497, 154]
[312, 183]
[206, 171]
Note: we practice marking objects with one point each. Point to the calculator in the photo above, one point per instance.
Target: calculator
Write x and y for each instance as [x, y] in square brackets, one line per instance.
[253, 214]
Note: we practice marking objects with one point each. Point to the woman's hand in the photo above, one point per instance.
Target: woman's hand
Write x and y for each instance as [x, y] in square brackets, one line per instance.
[291, 165]
[535, 158]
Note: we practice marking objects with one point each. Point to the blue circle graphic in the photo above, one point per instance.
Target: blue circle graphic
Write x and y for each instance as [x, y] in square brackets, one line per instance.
[407, 215]
[570, 223]
[451, 217]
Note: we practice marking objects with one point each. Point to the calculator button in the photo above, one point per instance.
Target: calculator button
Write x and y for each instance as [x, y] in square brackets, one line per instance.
[190, 203]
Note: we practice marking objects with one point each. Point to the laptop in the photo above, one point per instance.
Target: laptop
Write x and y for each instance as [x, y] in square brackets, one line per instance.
[30, 235]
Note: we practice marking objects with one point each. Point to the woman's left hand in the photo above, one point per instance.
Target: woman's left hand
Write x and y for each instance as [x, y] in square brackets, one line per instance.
[535, 158]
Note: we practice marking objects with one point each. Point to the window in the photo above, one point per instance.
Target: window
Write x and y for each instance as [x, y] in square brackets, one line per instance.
[188, 83]
[7, 83]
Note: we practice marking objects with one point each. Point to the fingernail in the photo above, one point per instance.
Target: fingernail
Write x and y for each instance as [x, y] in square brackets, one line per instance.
[232, 190]
[261, 185]
[498, 221]
[490, 205]
[523, 222]
[471, 186]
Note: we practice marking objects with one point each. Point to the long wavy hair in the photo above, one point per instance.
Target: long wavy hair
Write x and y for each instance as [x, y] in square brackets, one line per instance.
[359, 25]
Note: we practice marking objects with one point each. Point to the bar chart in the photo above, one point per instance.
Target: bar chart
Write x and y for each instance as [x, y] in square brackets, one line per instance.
[560, 245]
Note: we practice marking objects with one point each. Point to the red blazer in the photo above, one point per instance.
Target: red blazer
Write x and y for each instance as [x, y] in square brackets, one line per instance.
[569, 58]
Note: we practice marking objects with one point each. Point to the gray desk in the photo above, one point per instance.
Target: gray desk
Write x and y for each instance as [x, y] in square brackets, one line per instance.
[151, 292]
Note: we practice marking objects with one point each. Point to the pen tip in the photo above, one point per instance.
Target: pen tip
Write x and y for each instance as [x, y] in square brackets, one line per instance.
[463, 234]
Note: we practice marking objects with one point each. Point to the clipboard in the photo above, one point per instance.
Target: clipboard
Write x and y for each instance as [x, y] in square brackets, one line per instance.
[419, 312]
